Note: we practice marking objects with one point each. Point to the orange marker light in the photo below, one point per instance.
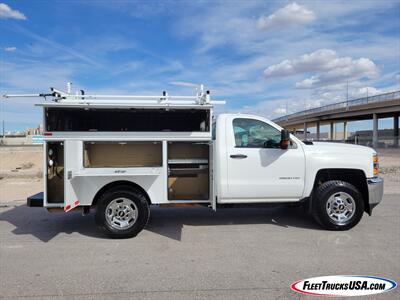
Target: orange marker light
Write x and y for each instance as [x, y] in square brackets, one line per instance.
[375, 160]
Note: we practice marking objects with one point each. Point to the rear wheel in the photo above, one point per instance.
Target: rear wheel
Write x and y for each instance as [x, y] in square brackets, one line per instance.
[122, 212]
[337, 205]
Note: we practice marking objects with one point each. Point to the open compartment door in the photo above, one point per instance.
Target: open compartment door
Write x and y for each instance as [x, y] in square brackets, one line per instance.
[54, 173]
[73, 163]
[213, 197]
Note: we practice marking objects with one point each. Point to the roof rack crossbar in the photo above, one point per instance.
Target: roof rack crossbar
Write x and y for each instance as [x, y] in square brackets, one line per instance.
[67, 97]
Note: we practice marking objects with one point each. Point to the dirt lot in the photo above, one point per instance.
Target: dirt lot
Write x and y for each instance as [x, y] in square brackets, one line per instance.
[390, 169]
[21, 172]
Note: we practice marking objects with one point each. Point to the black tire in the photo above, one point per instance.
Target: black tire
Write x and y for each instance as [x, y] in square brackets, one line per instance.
[131, 195]
[320, 199]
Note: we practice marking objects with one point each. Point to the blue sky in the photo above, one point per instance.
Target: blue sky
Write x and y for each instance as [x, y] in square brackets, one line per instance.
[261, 56]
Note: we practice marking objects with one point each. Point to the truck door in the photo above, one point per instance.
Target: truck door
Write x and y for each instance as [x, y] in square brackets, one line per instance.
[257, 167]
[73, 162]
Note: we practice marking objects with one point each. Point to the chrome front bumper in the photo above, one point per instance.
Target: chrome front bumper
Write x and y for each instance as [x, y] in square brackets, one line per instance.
[375, 191]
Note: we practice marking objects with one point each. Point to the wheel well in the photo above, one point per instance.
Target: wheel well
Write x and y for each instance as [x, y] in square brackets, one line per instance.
[122, 183]
[353, 176]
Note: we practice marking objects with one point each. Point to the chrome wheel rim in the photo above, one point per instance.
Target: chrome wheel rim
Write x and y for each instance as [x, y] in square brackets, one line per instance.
[340, 207]
[121, 213]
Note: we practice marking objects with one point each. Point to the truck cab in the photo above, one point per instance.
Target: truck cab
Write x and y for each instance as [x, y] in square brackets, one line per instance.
[251, 165]
[335, 182]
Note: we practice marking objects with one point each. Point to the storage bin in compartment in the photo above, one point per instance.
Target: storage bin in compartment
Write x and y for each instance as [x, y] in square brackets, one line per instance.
[185, 150]
[188, 171]
[188, 188]
[122, 154]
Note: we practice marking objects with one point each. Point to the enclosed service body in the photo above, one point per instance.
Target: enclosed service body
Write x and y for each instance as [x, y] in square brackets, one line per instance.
[165, 149]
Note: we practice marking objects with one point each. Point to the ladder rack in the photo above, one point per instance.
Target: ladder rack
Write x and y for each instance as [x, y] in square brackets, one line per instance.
[58, 96]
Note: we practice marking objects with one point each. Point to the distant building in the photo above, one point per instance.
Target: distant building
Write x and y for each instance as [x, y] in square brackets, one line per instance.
[364, 137]
[34, 131]
[9, 134]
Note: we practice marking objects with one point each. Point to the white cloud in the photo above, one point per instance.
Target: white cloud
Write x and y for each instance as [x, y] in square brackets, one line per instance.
[77, 54]
[320, 60]
[354, 70]
[37, 76]
[365, 91]
[291, 14]
[280, 111]
[328, 66]
[272, 109]
[184, 84]
[10, 49]
[7, 12]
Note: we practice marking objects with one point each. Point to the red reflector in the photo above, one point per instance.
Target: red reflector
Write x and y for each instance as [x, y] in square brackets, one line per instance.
[48, 134]
[76, 202]
[67, 207]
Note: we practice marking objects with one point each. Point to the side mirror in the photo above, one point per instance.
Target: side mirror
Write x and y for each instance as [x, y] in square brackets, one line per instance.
[285, 138]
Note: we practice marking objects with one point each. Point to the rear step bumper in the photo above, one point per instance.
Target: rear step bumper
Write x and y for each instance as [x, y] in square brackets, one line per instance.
[35, 200]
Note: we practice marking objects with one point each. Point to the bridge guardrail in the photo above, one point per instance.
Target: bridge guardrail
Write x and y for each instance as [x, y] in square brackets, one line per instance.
[344, 104]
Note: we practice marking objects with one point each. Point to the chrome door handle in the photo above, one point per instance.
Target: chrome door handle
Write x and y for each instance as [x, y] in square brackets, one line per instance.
[238, 156]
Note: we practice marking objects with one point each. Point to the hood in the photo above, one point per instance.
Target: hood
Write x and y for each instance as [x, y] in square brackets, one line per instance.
[339, 147]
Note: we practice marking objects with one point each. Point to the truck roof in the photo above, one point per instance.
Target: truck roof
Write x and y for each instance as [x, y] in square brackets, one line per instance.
[240, 115]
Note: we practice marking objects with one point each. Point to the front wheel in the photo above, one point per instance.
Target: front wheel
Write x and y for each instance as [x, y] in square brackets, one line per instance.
[122, 212]
[337, 205]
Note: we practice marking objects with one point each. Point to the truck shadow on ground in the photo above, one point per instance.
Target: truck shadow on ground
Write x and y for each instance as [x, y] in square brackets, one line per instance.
[167, 222]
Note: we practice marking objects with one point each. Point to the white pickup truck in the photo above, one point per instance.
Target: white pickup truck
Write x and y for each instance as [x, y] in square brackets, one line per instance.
[121, 154]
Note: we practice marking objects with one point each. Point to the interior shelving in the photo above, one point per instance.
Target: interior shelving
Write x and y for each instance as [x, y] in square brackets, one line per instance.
[188, 171]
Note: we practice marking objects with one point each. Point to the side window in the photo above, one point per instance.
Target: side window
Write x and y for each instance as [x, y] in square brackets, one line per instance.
[250, 133]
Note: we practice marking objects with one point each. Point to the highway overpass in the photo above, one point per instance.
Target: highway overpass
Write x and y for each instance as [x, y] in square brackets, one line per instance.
[379, 106]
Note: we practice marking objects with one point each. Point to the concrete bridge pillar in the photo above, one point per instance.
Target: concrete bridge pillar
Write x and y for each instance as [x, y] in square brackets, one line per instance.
[305, 130]
[396, 130]
[318, 130]
[331, 131]
[375, 131]
[344, 130]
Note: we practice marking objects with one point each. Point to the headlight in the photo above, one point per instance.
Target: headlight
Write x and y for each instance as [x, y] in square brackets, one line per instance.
[375, 160]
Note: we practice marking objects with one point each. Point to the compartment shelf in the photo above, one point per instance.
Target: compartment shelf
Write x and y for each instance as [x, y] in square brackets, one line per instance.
[187, 161]
[187, 171]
